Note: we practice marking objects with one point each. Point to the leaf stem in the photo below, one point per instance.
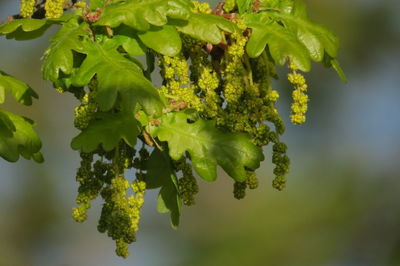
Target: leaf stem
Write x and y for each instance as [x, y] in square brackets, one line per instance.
[265, 61]
[249, 70]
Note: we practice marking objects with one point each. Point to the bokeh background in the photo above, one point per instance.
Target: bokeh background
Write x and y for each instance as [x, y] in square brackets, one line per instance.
[341, 205]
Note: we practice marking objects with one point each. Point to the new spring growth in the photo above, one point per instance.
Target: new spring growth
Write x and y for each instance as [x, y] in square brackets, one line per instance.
[27, 8]
[300, 98]
[54, 8]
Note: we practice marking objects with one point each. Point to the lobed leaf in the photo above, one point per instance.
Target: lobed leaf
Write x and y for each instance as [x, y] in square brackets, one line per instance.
[59, 56]
[107, 130]
[282, 45]
[331, 62]
[24, 29]
[30, 28]
[168, 201]
[17, 137]
[130, 41]
[164, 40]
[316, 38]
[116, 75]
[244, 6]
[160, 173]
[6, 124]
[21, 92]
[206, 27]
[140, 14]
[208, 146]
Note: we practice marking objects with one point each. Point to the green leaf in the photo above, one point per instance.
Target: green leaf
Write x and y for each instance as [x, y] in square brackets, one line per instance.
[30, 28]
[108, 129]
[298, 9]
[168, 201]
[282, 44]
[24, 29]
[140, 14]
[245, 6]
[335, 64]
[130, 41]
[23, 140]
[142, 118]
[331, 62]
[160, 173]
[164, 40]
[131, 45]
[316, 38]
[257, 20]
[158, 169]
[116, 75]
[59, 56]
[206, 27]
[18, 89]
[95, 4]
[208, 146]
[6, 124]
[286, 6]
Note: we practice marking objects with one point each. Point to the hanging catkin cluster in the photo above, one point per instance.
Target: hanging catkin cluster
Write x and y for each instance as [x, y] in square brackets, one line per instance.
[54, 8]
[224, 84]
[214, 110]
[27, 7]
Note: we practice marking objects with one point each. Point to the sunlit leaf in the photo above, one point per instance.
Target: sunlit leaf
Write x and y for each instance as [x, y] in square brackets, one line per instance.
[23, 140]
[316, 38]
[164, 40]
[282, 43]
[59, 56]
[206, 27]
[140, 14]
[30, 28]
[21, 92]
[107, 130]
[116, 75]
[208, 146]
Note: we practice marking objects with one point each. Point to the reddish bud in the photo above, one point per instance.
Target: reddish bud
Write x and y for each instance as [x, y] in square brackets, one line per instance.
[209, 47]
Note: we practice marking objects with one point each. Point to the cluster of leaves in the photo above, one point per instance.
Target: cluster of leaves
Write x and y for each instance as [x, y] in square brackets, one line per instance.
[17, 136]
[216, 106]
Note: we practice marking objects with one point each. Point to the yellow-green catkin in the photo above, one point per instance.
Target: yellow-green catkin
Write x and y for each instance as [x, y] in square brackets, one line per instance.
[27, 8]
[136, 202]
[229, 5]
[54, 8]
[234, 70]
[187, 185]
[239, 190]
[177, 82]
[208, 83]
[121, 248]
[300, 98]
[85, 112]
[252, 180]
[203, 76]
[201, 7]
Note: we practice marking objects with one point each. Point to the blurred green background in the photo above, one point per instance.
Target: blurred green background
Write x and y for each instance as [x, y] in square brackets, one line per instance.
[341, 205]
